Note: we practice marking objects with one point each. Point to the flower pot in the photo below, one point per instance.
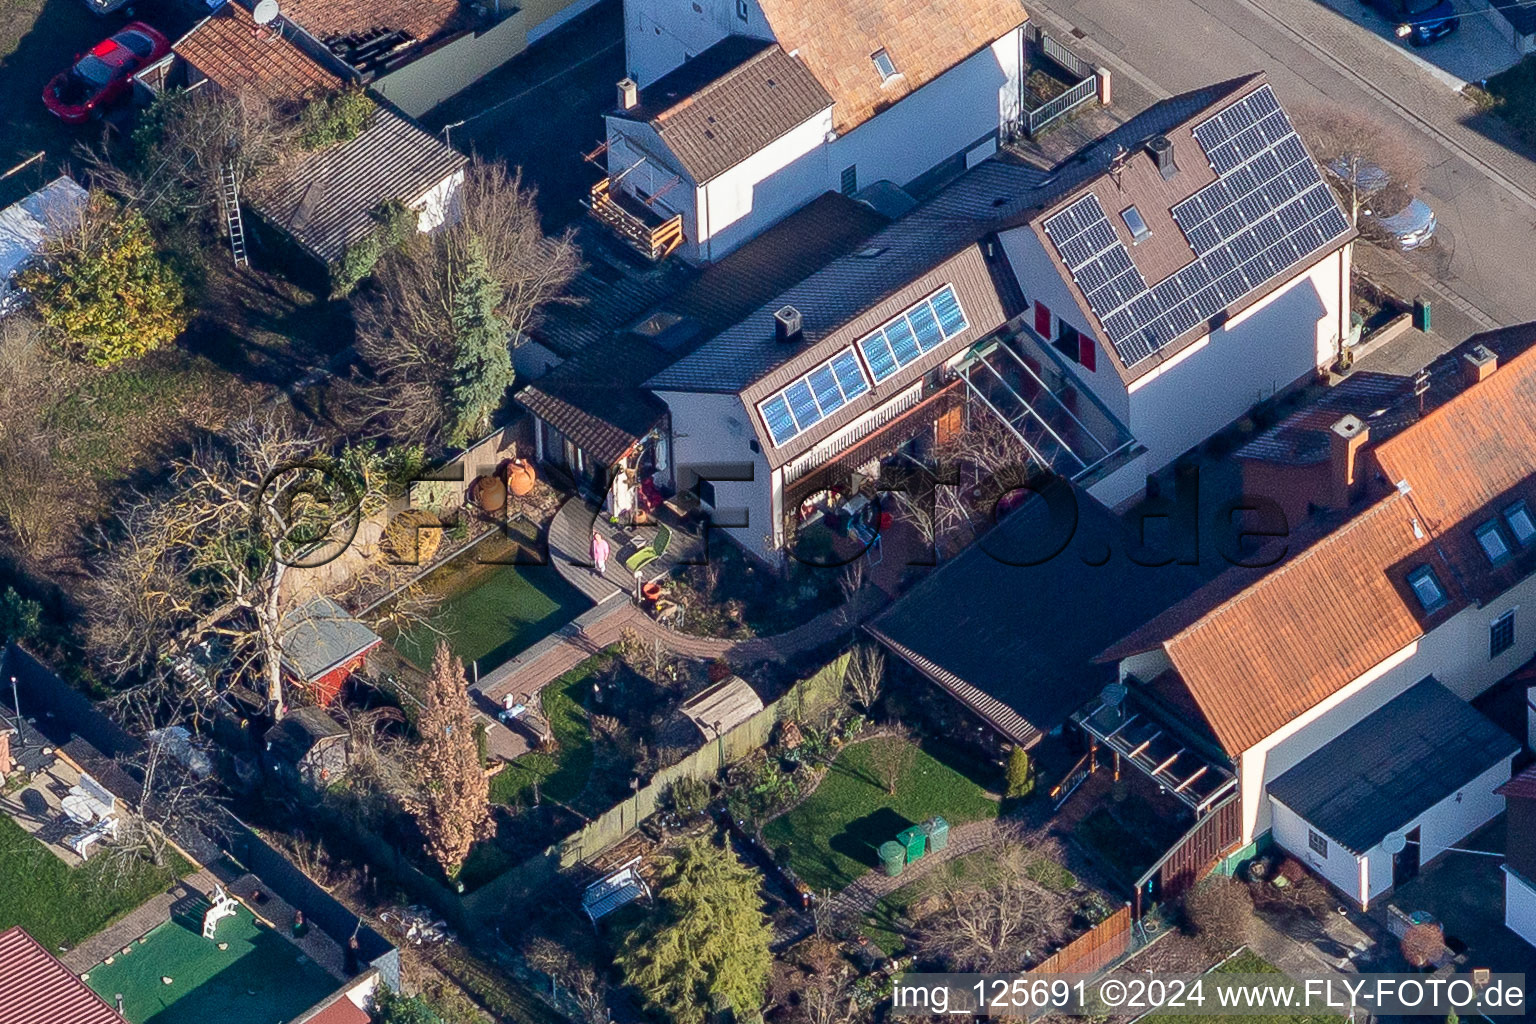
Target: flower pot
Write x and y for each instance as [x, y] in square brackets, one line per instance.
[520, 477]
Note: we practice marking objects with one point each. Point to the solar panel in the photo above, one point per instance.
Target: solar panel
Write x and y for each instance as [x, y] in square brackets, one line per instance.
[1267, 208]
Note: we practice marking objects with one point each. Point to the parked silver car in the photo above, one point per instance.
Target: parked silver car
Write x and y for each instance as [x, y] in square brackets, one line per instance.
[1386, 213]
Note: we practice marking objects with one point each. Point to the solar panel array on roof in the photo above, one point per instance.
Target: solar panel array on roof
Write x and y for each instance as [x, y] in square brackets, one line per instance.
[1267, 209]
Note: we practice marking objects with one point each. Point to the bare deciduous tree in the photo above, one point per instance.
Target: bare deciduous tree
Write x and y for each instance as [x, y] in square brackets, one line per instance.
[452, 804]
[989, 920]
[580, 982]
[177, 798]
[866, 674]
[891, 756]
[205, 558]
[187, 140]
[1221, 909]
[405, 329]
[1363, 158]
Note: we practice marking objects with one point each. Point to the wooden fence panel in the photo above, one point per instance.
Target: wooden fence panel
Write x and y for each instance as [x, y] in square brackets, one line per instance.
[1196, 854]
[1090, 953]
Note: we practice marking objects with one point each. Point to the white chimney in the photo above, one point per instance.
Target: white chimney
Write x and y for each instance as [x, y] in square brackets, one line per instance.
[629, 94]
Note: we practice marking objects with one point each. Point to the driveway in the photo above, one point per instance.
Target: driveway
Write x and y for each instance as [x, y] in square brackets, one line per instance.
[1483, 192]
[543, 110]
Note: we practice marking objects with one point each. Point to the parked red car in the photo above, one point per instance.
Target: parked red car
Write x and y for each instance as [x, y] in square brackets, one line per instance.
[105, 74]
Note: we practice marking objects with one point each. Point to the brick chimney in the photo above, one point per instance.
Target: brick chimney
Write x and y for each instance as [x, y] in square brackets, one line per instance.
[1345, 440]
[1478, 365]
[629, 94]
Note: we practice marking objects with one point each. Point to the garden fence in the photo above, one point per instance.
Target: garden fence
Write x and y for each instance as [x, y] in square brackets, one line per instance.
[806, 698]
[1093, 951]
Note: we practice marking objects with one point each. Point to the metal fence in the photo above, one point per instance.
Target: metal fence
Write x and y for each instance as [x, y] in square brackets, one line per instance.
[1070, 62]
[1070, 100]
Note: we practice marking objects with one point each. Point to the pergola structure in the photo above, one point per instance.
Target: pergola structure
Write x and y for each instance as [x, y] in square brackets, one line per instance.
[1118, 721]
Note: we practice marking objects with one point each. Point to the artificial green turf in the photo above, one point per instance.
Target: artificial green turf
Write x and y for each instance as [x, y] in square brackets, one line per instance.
[59, 905]
[260, 977]
[563, 773]
[491, 613]
[833, 834]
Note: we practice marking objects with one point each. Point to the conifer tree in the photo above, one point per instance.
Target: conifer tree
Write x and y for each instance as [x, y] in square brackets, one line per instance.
[452, 805]
[482, 365]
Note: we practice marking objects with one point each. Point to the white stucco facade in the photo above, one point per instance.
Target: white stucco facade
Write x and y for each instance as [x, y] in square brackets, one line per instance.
[1364, 877]
[1282, 338]
[959, 112]
[1520, 906]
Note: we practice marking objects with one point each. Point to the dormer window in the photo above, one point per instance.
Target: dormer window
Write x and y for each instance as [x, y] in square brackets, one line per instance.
[1491, 539]
[884, 65]
[1135, 224]
[1426, 587]
[1518, 518]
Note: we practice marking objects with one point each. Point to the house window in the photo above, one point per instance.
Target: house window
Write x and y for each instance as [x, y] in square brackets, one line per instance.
[1066, 341]
[1317, 843]
[741, 9]
[850, 179]
[1518, 518]
[1491, 539]
[1043, 320]
[884, 65]
[1426, 587]
[1501, 634]
[1135, 223]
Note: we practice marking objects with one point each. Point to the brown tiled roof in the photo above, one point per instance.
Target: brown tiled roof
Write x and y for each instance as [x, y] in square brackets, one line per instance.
[423, 20]
[837, 38]
[597, 398]
[1255, 654]
[728, 103]
[235, 53]
[1166, 250]
[35, 988]
[325, 200]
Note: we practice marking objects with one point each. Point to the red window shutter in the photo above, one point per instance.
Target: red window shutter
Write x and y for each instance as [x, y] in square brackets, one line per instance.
[1087, 352]
[1043, 320]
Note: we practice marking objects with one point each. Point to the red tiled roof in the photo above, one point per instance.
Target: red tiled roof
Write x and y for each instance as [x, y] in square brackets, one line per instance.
[1255, 655]
[837, 39]
[36, 989]
[235, 53]
[423, 20]
[342, 1011]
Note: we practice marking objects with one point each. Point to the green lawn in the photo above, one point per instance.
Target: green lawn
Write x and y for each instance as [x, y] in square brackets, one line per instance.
[562, 774]
[833, 834]
[1514, 92]
[60, 906]
[492, 612]
[1249, 962]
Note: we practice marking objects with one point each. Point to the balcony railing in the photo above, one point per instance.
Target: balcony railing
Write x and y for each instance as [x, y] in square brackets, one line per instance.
[634, 221]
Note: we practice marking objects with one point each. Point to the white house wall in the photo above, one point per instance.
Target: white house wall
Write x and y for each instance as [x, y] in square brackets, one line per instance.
[741, 203]
[1286, 748]
[1040, 281]
[439, 205]
[712, 431]
[1270, 346]
[659, 35]
[1519, 906]
[953, 113]
[1341, 867]
[1458, 648]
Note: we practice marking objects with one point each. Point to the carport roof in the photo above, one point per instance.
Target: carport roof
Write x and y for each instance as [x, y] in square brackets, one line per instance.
[1398, 762]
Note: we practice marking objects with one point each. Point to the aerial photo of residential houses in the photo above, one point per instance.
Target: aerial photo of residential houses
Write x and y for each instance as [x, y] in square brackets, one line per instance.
[777, 511]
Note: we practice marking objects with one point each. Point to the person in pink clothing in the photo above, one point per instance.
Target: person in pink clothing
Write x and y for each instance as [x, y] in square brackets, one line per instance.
[599, 552]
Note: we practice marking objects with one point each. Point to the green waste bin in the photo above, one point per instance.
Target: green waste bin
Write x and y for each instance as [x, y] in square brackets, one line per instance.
[893, 857]
[938, 833]
[1421, 319]
[915, 841]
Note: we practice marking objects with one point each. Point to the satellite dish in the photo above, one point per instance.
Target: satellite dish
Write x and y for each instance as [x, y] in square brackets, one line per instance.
[265, 11]
[1113, 695]
[1394, 843]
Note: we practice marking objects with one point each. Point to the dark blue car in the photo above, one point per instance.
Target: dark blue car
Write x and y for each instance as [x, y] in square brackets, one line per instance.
[1419, 22]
